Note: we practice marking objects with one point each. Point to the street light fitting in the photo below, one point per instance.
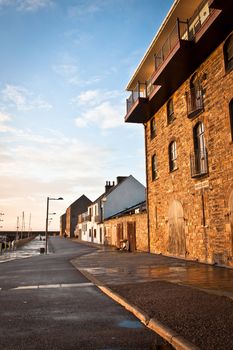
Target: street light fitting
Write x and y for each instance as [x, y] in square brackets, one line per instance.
[55, 199]
[47, 220]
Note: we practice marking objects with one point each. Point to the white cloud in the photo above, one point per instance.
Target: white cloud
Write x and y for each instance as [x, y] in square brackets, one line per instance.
[22, 99]
[84, 8]
[105, 116]
[94, 97]
[69, 72]
[3, 119]
[33, 5]
[26, 5]
[100, 107]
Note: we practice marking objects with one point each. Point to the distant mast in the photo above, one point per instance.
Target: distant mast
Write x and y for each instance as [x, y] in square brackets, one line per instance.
[29, 225]
[23, 225]
[17, 228]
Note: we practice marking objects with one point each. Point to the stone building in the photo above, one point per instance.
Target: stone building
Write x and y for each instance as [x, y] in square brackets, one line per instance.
[62, 224]
[182, 92]
[77, 207]
[129, 227]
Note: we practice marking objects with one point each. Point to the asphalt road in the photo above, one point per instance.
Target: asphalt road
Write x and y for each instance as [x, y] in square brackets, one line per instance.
[47, 304]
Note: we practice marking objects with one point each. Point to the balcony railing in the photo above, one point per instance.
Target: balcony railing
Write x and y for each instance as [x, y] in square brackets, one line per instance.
[179, 32]
[199, 163]
[138, 92]
[198, 19]
[83, 218]
[194, 99]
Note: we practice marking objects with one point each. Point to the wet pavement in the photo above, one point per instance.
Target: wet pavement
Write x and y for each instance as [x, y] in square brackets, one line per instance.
[47, 304]
[194, 300]
[117, 267]
[26, 251]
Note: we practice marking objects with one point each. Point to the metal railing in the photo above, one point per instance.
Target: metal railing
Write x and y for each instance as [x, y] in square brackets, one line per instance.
[202, 13]
[84, 217]
[194, 98]
[138, 92]
[178, 32]
[199, 163]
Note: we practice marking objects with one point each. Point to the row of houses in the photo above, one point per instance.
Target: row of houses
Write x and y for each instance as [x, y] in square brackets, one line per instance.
[182, 94]
[116, 217]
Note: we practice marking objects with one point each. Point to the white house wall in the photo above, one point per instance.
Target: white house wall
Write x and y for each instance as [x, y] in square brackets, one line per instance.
[125, 195]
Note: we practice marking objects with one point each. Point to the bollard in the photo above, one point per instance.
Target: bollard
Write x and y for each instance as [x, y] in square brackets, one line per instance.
[42, 250]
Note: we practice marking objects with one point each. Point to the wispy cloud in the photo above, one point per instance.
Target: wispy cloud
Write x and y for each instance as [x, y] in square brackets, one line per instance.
[4, 118]
[95, 97]
[23, 99]
[105, 116]
[26, 5]
[84, 8]
[100, 107]
[69, 72]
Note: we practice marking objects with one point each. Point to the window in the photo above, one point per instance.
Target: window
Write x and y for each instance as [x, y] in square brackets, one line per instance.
[194, 97]
[170, 111]
[199, 159]
[94, 233]
[231, 118]
[172, 156]
[228, 53]
[154, 167]
[152, 128]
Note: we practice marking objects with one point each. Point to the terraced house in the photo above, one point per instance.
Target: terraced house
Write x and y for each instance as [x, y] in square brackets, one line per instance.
[182, 92]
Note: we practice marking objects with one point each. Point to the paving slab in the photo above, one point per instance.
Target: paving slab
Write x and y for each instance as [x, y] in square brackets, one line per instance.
[192, 300]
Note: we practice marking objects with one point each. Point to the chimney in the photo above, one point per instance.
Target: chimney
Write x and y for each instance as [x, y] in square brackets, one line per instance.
[120, 179]
[108, 186]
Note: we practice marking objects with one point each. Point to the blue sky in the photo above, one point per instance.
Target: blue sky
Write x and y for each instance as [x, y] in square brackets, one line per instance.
[64, 68]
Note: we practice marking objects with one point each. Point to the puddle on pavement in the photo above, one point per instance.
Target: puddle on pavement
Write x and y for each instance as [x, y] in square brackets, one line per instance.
[130, 324]
[30, 249]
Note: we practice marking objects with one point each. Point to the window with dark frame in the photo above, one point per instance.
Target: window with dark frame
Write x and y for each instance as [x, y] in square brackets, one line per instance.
[170, 111]
[152, 128]
[154, 169]
[231, 117]
[228, 53]
[172, 156]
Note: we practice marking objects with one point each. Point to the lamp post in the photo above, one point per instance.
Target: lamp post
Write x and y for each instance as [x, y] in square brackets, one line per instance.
[47, 220]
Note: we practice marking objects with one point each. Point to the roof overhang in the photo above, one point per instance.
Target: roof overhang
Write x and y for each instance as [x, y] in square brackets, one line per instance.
[181, 9]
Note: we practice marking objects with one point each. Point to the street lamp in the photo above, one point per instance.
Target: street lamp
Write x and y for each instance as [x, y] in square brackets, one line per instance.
[47, 220]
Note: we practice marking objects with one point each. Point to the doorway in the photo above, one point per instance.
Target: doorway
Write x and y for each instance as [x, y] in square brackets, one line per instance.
[131, 232]
[176, 229]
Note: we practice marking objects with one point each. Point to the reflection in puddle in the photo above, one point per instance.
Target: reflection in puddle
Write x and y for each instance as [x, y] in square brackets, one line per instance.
[130, 324]
[30, 249]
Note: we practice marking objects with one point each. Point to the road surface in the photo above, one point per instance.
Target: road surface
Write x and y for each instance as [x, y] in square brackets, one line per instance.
[47, 304]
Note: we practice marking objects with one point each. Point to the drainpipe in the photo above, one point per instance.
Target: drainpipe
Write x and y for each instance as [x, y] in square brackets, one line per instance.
[147, 194]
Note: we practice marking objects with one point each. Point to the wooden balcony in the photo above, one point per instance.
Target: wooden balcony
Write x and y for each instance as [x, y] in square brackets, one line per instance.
[137, 106]
[199, 163]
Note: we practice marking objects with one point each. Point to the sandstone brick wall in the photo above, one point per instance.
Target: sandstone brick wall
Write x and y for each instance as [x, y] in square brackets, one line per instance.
[211, 242]
[141, 230]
